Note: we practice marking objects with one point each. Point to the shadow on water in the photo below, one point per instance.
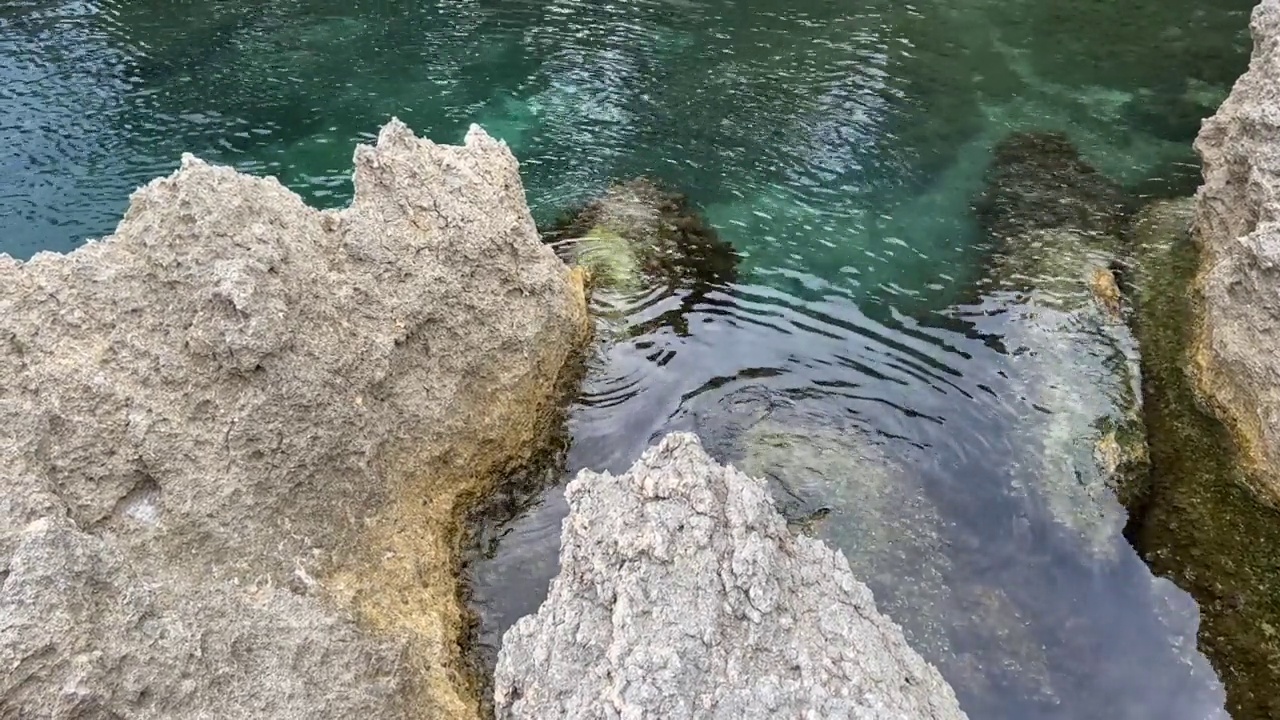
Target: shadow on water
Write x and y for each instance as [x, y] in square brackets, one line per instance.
[837, 145]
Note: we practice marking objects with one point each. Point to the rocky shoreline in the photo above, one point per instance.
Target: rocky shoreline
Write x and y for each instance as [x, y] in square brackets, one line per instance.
[1209, 302]
[242, 439]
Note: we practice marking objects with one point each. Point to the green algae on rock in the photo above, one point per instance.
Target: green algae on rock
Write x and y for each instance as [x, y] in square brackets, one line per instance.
[666, 240]
[1038, 181]
[635, 240]
[1055, 226]
[1199, 524]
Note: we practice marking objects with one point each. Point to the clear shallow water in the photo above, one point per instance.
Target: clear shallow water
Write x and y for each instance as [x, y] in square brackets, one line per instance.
[836, 144]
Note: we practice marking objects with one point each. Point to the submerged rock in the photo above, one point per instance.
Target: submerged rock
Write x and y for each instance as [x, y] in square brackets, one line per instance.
[637, 240]
[239, 434]
[1037, 181]
[639, 234]
[1056, 226]
[1235, 354]
[682, 594]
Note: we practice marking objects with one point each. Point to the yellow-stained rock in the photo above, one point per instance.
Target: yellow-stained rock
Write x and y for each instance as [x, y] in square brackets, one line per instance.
[239, 438]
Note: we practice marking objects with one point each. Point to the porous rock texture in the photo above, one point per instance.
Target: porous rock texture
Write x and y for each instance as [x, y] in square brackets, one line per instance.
[682, 594]
[238, 436]
[1236, 352]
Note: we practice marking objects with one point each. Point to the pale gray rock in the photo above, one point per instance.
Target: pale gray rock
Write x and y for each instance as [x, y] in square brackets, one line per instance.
[683, 594]
[1236, 354]
[236, 438]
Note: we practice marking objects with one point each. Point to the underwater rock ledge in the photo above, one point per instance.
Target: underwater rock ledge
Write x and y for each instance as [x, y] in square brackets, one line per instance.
[239, 436]
[1208, 307]
[682, 593]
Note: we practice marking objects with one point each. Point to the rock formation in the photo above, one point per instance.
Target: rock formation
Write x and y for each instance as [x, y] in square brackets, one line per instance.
[635, 240]
[1235, 356]
[1199, 525]
[240, 433]
[1037, 181]
[882, 518]
[1055, 226]
[637, 231]
[683, 594]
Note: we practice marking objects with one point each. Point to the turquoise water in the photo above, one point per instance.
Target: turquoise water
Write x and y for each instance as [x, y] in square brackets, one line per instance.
[836, 144]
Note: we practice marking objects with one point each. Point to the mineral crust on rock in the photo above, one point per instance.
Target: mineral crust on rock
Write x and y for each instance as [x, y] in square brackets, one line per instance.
[1236, 354]
[682, 593]
[237, 436]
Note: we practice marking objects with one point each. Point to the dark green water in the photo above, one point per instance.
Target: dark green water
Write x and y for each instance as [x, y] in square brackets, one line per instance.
[836, 144]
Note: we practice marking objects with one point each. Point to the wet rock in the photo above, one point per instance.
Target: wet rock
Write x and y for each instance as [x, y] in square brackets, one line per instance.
[1056, 228]
[239, 434]
[634, 242]
[1235, 358]
[682, 593]
[639, 234]
[1199, 524]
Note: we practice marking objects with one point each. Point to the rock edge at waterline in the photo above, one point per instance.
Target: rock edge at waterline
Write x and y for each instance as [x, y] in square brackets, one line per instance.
[1235, 355]
[682, 593]
[239, 435]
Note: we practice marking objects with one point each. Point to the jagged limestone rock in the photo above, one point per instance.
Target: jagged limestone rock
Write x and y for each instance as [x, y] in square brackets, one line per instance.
[683, 594]
[238, 437]
[1235, 356]
[1056, 228]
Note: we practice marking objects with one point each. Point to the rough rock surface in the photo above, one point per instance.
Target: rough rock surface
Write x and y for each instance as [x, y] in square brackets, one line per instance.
[683, 594]
[1236, 355]
[238, 434]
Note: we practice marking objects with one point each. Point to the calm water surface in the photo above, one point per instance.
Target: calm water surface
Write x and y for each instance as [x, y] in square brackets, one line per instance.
[836, 144]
